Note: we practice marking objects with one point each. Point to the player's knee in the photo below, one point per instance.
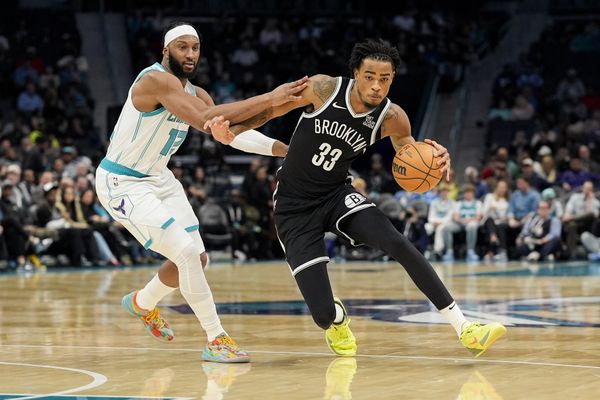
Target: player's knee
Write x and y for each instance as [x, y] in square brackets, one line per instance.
[204, 259]
[188, 255]
[324, 315]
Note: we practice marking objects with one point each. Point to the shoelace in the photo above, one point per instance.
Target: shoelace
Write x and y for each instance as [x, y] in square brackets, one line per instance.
[154, 316]
[343, 333]
[228, 341]
[471, 327]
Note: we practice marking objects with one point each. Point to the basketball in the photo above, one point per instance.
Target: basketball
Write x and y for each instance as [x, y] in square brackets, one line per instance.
[415, 168]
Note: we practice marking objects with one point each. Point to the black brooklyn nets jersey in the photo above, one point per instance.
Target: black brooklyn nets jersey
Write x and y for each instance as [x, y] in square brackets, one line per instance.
[326, 142]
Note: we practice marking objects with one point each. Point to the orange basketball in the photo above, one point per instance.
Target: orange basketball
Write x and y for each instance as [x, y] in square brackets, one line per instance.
[415, 168]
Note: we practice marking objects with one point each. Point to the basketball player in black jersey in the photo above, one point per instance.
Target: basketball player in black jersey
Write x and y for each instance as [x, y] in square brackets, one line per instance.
[342, 118]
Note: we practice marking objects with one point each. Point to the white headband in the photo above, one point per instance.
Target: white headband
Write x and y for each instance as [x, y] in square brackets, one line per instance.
[180, 30]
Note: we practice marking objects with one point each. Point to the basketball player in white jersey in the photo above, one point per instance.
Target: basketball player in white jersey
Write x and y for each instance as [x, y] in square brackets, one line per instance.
[134, 184]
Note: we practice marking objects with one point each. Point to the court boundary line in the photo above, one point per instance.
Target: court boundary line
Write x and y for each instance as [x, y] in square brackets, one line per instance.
[98, 380]
[302, 353]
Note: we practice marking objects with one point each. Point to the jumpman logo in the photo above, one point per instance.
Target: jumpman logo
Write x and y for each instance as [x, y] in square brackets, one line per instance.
[121, 207]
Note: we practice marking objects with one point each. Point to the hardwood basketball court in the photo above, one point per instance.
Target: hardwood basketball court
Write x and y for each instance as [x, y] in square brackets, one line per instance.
[63, 334]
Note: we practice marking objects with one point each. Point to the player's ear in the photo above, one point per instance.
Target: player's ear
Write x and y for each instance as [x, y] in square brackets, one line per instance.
[165, 52]
[356, 73]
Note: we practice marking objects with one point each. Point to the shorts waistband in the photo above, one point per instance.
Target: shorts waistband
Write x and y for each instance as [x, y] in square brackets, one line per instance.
[119, 169]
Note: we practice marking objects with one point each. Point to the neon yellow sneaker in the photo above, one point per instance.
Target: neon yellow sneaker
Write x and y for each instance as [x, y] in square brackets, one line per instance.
[477, 339]
[339, 337]
[339, 377]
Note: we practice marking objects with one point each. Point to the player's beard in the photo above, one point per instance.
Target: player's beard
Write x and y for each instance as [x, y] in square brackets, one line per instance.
[365, 101]
[177, 68]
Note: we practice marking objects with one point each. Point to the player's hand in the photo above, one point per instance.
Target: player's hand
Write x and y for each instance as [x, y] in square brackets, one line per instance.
[288, 92]
[441, 151]
[219, 128]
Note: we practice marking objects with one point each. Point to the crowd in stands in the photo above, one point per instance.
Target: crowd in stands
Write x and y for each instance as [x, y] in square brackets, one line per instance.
[543, 135]
[535, 196]
[237, 50]
[234, 68]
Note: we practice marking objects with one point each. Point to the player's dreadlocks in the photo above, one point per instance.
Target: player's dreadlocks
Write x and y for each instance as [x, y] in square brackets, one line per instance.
[374, 49]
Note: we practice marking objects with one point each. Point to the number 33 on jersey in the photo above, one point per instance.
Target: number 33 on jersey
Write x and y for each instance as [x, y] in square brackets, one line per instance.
[334, 135]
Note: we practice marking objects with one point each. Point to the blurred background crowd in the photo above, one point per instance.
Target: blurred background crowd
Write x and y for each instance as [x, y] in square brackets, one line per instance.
[532, 194]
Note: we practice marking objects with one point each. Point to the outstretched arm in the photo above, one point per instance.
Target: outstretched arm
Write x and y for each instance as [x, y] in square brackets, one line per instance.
[396, 125]
[160, 88]
[219, 128]
[319, 88]
[245, 138]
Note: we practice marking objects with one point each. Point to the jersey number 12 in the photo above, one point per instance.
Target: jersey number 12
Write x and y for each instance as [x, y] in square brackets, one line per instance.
[326, 151]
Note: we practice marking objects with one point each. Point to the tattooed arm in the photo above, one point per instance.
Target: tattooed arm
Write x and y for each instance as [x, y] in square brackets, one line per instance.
[397, 126]
[319, 89]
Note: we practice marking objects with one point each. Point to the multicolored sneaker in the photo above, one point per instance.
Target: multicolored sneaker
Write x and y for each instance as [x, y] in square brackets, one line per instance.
[221, 377]
[477, 339]
[224, 350]
[152, 320]
[339, 337]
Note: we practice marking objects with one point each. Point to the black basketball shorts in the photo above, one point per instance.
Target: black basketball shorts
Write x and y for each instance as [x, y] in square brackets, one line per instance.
[301, 224]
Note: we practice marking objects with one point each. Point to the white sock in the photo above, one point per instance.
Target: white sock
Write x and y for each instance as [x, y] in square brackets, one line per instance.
[152, 293]
[339, 314]
[454, 316]
[194, 288]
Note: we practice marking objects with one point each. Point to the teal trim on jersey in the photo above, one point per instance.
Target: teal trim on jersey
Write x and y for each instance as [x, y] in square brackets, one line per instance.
[119, 169]
[192, 228]
[137, 127]
[154, 67]
[151, 138]
[115, 130]
[192, 89]
[167, 223]
[153, 113]
[148, 244]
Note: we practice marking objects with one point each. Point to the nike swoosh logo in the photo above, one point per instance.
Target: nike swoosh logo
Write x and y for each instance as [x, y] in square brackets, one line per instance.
[452, 306]
[485, 338]
[335, 105]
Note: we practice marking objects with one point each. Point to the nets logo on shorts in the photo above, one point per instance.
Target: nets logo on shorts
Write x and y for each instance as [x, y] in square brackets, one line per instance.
[354, 199]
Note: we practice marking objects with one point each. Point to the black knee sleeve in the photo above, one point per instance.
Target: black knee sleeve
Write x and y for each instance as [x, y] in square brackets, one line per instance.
[324, 314]
[316, 289]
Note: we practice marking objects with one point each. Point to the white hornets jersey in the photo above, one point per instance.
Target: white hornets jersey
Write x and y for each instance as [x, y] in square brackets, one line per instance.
[142, 143]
